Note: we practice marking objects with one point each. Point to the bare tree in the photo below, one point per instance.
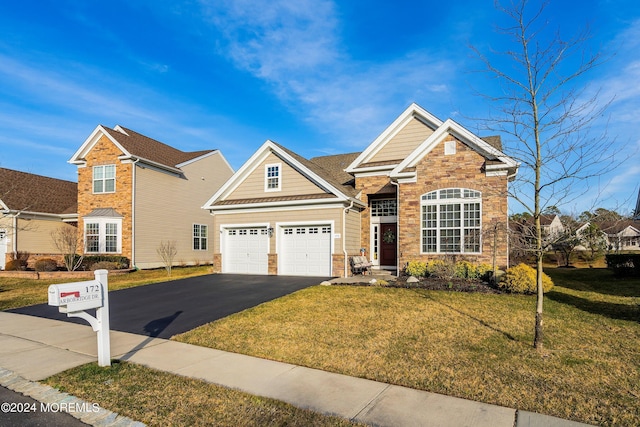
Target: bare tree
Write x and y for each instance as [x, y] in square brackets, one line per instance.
[548, 116]
[167, 251]
[66, 240]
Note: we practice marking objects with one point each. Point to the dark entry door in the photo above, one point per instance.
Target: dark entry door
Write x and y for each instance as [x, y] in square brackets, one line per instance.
[388, 244]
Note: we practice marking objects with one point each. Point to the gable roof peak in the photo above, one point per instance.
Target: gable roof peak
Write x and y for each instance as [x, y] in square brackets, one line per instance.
[137, 146]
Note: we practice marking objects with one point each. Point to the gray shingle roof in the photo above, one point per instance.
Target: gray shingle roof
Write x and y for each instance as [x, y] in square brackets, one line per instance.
[22, 191]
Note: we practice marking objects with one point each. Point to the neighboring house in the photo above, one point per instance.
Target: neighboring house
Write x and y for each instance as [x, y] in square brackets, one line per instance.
[135, 193]
[31, 208]
[622, 235]
[423, 189]
[552, 226]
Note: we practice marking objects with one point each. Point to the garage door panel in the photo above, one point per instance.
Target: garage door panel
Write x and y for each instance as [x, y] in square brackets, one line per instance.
[245, 251]
[305, 251]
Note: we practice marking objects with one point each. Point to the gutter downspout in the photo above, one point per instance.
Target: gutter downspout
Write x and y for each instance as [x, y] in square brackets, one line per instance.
[133, 214]
[344, 240]
[398, 226]
[14, 244]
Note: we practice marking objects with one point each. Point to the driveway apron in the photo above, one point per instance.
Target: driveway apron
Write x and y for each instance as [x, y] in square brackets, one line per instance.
[169, 308]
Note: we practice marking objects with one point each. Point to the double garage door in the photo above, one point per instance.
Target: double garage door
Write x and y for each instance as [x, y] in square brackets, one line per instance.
[302, 250]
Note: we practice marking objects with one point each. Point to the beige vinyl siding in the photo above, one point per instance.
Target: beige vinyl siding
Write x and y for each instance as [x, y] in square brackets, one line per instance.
[293, 183]
[404, 142]
[167, 207]
[34, 236]
[283, 217]
[353, 225]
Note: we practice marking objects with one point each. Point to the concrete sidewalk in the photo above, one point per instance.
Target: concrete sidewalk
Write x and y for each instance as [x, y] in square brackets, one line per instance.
[35, 348]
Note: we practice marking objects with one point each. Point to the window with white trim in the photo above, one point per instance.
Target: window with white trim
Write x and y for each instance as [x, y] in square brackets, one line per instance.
[451, 221]
[200, 238]
[103, 235]
[272, 177]
[104, 179]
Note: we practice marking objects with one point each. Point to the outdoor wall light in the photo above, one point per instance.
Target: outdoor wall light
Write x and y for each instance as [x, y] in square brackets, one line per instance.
[270, 231]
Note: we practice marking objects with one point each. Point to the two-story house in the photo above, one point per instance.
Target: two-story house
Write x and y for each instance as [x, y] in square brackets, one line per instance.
[423, 189]
[135, 192]
[32, 207]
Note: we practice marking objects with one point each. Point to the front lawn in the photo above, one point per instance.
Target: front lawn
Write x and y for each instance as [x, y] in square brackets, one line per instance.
[471, 345]
[15, 293]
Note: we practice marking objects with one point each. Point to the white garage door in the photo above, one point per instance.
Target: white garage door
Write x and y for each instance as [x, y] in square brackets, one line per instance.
[245, 251]
[305, 251]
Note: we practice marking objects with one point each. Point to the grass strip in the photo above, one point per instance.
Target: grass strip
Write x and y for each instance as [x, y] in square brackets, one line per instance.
[158, 398]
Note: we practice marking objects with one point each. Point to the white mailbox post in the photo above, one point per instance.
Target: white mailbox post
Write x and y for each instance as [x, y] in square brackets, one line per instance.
[74, 298]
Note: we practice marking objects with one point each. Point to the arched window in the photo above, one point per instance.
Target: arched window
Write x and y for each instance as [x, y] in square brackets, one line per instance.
[451, 221]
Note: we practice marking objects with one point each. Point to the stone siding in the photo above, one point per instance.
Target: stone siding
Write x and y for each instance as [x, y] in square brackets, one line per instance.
[106, 153]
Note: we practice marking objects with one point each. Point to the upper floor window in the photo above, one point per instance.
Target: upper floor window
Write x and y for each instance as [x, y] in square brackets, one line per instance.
[273, 178]
[104, 179]
[199, 237]
[384, 207]
[451, 221]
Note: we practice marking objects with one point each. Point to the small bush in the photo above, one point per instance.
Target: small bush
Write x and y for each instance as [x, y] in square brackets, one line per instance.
[441, 269]
[46, 264]
[104, 265]
[15, 265]
[416, 268]
[522, 279]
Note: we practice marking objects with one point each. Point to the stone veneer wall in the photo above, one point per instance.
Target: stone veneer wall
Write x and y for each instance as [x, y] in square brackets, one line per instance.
[368, 185]
[461, 170]
[106, 153]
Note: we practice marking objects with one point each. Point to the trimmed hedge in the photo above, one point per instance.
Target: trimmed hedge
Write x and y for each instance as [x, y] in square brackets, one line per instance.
[46, 264]
[624, 265]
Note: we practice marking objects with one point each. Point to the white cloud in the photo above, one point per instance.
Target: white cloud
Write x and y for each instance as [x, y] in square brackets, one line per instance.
[295, 47]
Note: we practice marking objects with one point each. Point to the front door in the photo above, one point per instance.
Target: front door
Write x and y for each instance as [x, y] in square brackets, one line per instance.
[3, 248]
[388, 244]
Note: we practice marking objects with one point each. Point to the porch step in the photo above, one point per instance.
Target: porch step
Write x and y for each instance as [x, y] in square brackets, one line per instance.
[386, 272]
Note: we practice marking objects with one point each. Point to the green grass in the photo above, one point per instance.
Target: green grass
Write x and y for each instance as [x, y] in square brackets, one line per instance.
[15, 292]
[160, 399]
[475, 346]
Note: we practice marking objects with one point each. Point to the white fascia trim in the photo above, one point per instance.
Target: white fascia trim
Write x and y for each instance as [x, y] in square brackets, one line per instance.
[195, 159]
[414, 110]
[278, 205]
[3, 206]
[151, 164]
[255, 160]
[257, 210]
[238, 177]
[88, 144]
[42, 215]
[310, 175]
[449, 126]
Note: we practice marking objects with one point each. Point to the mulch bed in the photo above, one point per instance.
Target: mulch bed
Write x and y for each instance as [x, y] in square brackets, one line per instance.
[455, 285]
[436, 284]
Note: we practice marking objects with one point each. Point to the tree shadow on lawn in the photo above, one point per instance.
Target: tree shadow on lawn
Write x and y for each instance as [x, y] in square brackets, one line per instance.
[608, 309]
[474, 318]
[599, 280]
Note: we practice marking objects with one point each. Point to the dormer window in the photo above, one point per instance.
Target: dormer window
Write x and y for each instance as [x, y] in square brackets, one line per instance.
[273, 177]
[104, 179]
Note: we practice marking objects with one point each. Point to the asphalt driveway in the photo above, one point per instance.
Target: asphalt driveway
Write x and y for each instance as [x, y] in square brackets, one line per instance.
[169, 308]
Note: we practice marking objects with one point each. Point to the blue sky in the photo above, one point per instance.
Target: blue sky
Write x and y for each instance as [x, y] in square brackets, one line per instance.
[319, 77]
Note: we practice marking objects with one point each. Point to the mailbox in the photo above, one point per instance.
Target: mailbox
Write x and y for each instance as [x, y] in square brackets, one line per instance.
[76, 296]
